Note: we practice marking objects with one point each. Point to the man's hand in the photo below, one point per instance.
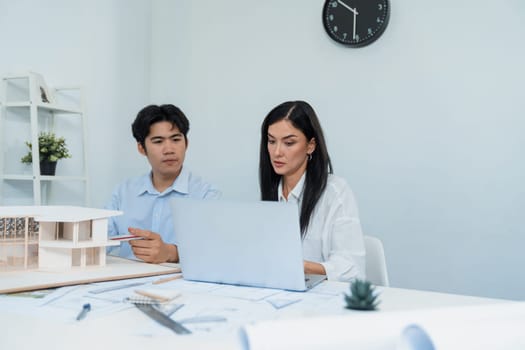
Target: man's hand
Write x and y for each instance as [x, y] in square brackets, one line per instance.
[152, 249]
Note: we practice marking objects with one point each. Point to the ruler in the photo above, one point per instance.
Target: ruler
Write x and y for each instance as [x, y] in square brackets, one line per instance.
[161, 318]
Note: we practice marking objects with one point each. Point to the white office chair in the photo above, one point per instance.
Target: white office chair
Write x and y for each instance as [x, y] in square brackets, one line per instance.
[376, 271]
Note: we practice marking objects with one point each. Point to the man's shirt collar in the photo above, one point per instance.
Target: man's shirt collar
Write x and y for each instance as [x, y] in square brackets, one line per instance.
[180, 185]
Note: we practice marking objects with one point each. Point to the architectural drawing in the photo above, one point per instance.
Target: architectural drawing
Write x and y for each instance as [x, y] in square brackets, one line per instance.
[53, 237]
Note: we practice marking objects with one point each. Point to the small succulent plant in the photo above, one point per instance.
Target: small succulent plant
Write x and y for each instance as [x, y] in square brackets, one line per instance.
[362, 296]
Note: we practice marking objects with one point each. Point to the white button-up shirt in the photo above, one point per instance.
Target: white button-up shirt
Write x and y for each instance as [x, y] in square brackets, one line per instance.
[334, 237]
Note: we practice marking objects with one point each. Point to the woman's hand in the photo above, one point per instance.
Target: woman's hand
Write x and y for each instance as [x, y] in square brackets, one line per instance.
[313, 268]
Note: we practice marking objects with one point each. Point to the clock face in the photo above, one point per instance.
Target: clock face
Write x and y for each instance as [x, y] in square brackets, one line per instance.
[355, 23]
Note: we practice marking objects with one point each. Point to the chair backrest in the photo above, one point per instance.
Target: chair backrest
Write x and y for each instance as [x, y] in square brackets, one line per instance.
[376, 271]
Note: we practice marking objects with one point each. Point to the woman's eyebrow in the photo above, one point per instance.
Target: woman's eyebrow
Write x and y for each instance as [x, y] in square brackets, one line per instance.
[285, 137]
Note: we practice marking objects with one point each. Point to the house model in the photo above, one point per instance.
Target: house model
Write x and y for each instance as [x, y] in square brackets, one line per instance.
[53, 237]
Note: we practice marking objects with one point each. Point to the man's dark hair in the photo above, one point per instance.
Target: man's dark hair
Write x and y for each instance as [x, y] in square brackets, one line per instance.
[152, 114]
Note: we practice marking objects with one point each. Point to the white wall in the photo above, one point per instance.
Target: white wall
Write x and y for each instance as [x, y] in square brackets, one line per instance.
[102, 45]
[425, 124]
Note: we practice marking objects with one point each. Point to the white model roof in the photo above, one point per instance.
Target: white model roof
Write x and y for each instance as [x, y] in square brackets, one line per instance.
[53, 213]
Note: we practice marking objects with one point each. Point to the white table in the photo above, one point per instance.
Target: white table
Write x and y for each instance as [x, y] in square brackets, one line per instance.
[27, 326]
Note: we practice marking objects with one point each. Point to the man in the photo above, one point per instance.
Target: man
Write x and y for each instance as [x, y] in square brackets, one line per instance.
[161, 134]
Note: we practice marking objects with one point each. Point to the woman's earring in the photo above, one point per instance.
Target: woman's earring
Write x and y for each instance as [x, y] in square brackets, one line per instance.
[309, 156]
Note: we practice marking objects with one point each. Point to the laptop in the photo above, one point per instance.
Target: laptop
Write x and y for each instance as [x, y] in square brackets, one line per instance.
[254, 244]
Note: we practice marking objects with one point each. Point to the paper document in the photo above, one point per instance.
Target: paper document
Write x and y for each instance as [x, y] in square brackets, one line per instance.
[497, 326]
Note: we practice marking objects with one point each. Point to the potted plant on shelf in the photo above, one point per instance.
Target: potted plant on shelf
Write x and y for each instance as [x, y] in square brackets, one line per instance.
[51, 148]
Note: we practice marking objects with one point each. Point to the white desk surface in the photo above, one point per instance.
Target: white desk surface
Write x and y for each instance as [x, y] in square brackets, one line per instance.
[27, 324]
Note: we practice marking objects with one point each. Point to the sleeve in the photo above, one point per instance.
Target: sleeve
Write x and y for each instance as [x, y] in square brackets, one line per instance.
[198, 188]
[212, 193]
[343, 242]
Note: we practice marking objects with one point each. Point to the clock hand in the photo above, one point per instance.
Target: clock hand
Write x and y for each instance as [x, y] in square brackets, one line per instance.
[355, 20]
[354, 11]
[348, 7]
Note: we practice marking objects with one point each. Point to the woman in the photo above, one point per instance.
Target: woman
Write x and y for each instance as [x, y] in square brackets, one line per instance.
[295, 167]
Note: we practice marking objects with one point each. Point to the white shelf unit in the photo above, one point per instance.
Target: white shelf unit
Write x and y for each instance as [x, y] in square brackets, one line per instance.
[23, 113]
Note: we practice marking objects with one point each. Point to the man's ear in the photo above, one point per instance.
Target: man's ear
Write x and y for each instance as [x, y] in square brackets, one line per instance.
[141, 149]
[187, 142]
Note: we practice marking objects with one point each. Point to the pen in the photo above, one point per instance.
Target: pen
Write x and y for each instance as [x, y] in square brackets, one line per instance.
[167, 279]
[125, 237]
[85, 309]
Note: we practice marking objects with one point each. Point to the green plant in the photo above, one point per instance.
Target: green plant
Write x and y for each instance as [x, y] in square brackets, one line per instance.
[51, 148]
[362, 296]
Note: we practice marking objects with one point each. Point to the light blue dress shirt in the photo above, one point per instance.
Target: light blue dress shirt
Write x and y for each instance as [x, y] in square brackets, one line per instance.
[146, 208]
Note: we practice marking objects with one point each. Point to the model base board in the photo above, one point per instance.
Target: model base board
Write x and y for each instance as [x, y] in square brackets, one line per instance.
[116, 269]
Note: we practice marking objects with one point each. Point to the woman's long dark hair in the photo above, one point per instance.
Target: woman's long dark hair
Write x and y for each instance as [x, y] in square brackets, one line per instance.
[303, 117]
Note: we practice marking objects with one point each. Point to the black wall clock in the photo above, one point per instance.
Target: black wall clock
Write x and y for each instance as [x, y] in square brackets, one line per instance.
[355, 23]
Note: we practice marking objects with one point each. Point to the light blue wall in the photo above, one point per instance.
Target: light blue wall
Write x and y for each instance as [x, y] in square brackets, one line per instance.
[426, 124]
[102, 45]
